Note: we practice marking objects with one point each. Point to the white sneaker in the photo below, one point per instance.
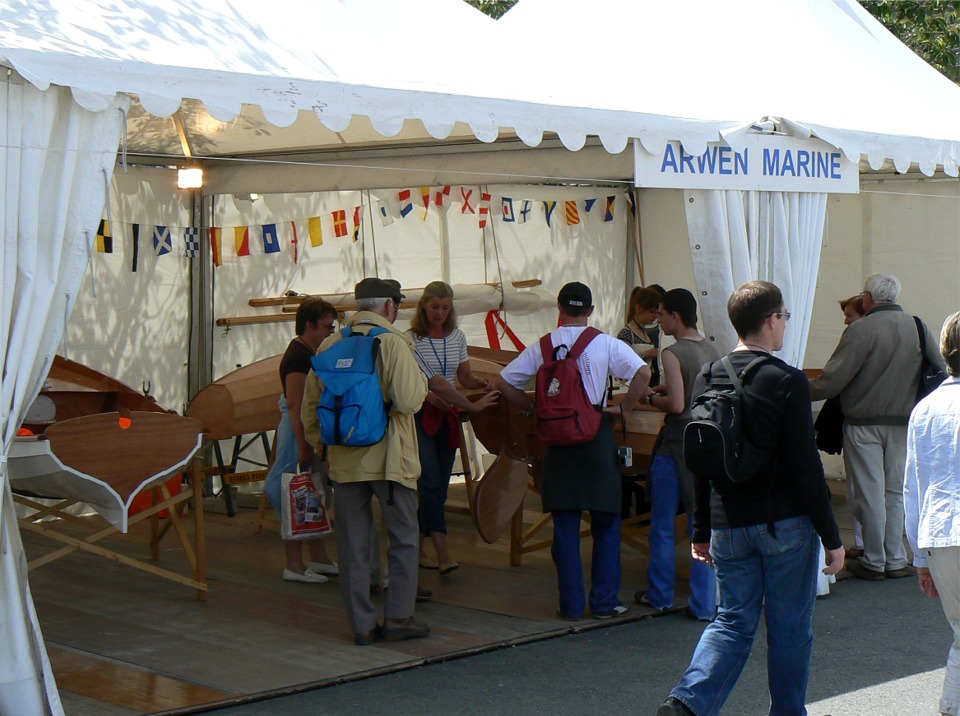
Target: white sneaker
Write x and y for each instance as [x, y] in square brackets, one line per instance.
[307, 577]
[320, 568]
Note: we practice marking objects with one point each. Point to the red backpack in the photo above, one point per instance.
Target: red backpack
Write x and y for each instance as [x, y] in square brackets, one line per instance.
[565, 415]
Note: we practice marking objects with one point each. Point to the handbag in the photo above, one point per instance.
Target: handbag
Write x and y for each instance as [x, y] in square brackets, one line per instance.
[829, 427]
[303, 514]
[930, 375]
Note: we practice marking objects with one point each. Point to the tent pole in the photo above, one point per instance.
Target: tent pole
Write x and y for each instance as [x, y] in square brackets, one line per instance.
[200, 358]
[638, 241]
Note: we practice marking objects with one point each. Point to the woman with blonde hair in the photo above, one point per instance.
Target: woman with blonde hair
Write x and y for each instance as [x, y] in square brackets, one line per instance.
[441, 351]
[931, 500]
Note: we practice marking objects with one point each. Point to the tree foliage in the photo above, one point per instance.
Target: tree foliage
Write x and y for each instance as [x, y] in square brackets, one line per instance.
[931, 29]
[493, 8]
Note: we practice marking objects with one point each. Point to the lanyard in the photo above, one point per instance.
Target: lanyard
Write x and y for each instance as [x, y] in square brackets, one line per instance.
[443, 363]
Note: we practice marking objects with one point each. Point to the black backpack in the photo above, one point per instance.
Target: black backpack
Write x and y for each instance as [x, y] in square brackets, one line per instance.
[714, 443]
[930, 375]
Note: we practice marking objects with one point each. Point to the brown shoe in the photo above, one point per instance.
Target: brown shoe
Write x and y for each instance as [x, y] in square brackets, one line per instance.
[857, 569]
[366, 638]
[400, 629]
[907, 570]
[853, 553]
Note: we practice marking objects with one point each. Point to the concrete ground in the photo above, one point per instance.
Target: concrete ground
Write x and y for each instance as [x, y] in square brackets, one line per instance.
[880, 649]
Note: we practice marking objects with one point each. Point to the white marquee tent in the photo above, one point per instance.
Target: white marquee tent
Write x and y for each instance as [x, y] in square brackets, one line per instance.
[366, 90]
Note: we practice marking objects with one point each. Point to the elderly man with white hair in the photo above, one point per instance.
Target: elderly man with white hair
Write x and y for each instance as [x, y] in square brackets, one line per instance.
[876, 371]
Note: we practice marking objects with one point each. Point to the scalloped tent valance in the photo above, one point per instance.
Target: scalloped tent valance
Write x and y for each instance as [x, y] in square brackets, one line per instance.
[312, 75]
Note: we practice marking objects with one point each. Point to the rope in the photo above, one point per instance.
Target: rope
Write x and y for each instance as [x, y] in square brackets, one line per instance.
[123, 141]
[373, 232]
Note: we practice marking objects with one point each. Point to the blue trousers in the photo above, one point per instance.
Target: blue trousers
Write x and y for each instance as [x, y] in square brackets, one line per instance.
[605, 567]
[436, 463]
[285, 458]
[755, 570]
[661, 571]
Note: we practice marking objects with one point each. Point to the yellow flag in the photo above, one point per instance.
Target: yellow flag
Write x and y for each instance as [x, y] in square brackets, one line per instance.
[316, 232]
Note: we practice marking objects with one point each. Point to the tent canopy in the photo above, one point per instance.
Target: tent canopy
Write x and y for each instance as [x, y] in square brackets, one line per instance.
[316, 75]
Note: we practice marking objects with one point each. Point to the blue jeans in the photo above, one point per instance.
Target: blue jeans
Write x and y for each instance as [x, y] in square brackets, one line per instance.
[605, 566]
[754, 570]
[436, 464]
[661, 571]
[285, 459]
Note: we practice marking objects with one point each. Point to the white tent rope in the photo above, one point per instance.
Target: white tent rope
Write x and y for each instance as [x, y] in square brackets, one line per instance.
[373, 233]
[67, 303]
[93, 275]
[123, 140]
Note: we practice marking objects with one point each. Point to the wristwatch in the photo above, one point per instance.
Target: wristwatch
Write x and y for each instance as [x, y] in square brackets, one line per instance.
[649, 399]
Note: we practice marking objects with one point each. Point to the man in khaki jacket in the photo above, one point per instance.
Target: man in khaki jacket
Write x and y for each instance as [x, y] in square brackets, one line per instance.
[388, 470]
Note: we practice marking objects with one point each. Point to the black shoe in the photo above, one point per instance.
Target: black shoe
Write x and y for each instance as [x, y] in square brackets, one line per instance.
[424, 595]
[408, 628]
[907, 570]
[642, 600]
[617, 611]
[672, 707]
[857, 569]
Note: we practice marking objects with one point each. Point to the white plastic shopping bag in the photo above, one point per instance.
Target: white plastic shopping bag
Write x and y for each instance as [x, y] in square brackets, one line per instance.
[303, 512]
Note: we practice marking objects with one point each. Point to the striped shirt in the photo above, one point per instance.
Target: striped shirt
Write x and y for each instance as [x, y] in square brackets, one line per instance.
[441, 356]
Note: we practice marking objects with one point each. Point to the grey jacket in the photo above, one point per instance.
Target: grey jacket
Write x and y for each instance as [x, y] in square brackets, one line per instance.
[876, 368]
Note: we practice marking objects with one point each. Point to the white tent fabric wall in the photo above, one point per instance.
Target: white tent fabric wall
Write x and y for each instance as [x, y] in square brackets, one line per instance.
[742, 236]
[447, 246]
[136, 326]
[57, 159]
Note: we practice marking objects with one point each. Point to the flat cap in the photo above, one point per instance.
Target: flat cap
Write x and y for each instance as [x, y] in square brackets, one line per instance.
[378, 288]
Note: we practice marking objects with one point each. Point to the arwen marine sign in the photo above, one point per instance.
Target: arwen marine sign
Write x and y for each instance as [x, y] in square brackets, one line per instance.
[761, 162]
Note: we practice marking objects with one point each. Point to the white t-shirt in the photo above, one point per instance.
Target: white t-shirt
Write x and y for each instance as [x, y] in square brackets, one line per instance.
[604, 356]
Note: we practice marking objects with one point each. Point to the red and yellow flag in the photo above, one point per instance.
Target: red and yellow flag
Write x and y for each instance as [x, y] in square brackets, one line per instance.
[357, 220]
[241, 239]
[216, 246]
[340, 223]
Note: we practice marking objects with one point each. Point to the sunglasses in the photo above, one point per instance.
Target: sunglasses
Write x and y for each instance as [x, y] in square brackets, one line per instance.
[780, 314]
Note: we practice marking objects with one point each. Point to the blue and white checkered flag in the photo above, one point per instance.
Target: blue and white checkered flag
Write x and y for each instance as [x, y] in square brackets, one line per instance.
[191, 237]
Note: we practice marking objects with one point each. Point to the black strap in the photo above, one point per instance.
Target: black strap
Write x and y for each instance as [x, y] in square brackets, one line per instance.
[924, 362]
[337, 412]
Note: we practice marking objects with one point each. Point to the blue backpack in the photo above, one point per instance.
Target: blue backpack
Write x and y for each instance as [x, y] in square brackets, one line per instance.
[352, 410]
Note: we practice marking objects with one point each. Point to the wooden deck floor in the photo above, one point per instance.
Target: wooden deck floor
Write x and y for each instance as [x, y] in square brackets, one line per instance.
[125, 642]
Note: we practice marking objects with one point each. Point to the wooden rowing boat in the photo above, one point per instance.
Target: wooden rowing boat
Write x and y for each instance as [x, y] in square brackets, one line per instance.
[93, 439]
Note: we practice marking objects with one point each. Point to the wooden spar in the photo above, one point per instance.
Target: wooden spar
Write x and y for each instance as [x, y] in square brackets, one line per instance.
[480, 297]
[297, 300]
[289, 314]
